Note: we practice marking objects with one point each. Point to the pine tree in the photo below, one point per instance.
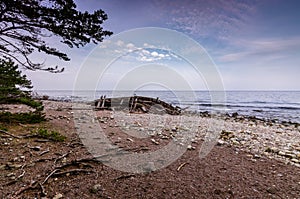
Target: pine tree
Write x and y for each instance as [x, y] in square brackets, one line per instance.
[15, 87]
[25, 26]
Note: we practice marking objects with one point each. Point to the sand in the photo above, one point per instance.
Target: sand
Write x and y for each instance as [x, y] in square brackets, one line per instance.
[151, 156]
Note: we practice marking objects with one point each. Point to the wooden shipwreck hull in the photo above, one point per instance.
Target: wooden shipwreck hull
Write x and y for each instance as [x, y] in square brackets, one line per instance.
[136, 104]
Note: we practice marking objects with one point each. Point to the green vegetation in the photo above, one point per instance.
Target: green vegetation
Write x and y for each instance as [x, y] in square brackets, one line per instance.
[3, 128]
[13, 85]
[23, 118]
[15, 89]
[51, 135]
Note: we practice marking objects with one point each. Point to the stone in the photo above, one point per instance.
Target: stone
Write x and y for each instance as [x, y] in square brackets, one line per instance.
[58, 196]
[295, 160]
[36, 148]
[297, 148]
[64, 160]
[154, 141]
[256, 156]
[174, 129]
[221, 142]
[290, 155]
[10, 175]
[96, 188]
[272, 190]
[16, 166]
[235, 142]
[129, 139]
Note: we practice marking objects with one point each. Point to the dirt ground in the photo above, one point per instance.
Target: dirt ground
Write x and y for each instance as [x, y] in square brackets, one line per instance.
[31, 167]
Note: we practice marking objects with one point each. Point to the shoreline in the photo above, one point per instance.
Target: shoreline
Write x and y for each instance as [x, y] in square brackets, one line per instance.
[225, 116]
[256, 136]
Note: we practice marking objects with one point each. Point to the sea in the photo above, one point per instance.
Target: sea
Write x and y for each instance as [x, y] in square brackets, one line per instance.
[281, 106]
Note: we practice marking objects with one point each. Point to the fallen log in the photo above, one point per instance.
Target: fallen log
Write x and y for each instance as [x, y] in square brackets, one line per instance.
[136, 104]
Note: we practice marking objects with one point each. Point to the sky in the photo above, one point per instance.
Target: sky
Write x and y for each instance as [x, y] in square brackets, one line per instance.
[245, 45]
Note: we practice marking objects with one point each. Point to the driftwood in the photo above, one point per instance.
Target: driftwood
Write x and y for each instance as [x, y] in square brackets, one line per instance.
[137, 104]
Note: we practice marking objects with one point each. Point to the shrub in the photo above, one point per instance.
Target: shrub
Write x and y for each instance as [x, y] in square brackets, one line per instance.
[24, 118]
[51, 135]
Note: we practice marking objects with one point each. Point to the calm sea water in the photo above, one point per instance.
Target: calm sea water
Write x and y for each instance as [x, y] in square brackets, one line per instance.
[277, 105]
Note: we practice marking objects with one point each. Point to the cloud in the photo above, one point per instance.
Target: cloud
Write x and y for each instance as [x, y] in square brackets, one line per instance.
[270, 49]
[202, 18]
[154, 54]
[120, 43]
[130, 46]
[145, 53]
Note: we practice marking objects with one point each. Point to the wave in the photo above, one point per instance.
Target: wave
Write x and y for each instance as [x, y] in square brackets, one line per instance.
[244, 106]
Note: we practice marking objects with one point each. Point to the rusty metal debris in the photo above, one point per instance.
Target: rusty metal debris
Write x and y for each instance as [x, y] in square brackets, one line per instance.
[136, 104]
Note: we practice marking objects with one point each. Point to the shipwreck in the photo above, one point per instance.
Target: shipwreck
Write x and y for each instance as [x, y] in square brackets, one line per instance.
[137, 104]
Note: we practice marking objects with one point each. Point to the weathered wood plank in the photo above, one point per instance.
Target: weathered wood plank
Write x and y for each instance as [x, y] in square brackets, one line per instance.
[135, 104]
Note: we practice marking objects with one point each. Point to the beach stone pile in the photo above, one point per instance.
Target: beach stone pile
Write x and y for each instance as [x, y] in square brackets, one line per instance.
[259, 138]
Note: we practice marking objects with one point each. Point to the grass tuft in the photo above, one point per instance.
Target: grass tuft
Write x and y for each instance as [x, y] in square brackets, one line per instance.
[51, 135]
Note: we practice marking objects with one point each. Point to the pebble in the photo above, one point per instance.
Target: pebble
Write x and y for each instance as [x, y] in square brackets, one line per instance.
[10, 175]
[58, 196]
[174, 129]
[16, 166]
[272, 190]
[235, 142]
[221, 142]
[36, 148]
[129, 139]
[165, 137]
[256, 156]
[154, 141]
[297, 148]
[96, 188]
[190, 147]
[64, 160]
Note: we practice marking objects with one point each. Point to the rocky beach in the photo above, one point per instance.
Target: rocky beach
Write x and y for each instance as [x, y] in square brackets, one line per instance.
[246, 158]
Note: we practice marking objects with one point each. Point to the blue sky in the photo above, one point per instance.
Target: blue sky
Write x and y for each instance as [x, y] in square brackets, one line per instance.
[255, 45]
